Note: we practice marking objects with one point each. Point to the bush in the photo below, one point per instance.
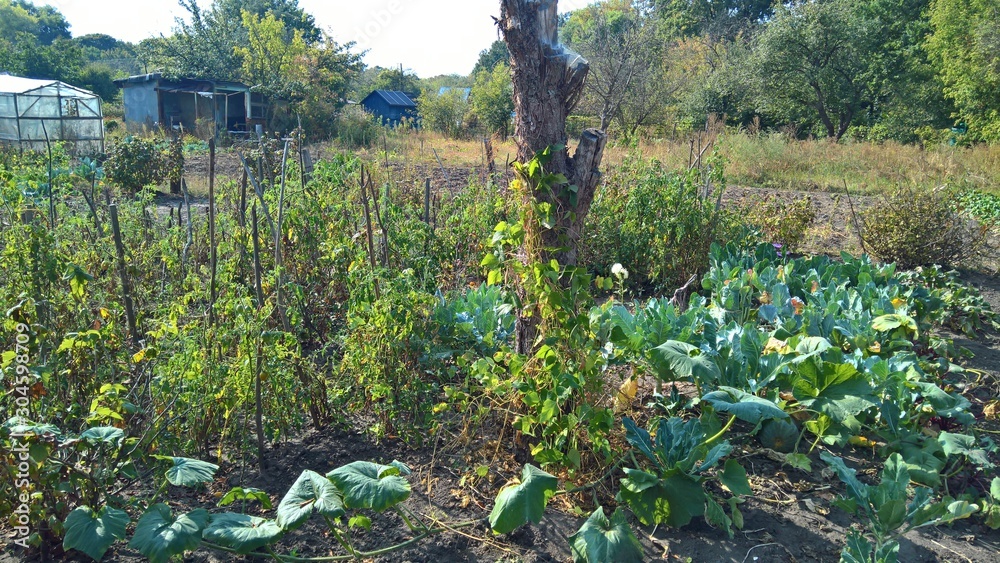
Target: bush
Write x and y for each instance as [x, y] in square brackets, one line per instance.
[914, 227]
[134, 163]
[778, 220]
[657, 224]
[356, 128]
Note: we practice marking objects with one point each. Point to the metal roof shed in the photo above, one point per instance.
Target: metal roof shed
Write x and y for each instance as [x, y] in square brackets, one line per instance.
[33, 112]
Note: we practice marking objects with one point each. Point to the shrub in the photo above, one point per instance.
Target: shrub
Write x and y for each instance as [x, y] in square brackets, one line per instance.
[780, 221]
[134, 163]
[914, 227]
[657, 224]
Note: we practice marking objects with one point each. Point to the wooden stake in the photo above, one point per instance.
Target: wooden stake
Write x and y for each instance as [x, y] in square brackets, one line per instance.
[211, 231]
[123, 273]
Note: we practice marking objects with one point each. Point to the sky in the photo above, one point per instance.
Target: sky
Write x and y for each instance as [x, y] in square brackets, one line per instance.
[428, 37]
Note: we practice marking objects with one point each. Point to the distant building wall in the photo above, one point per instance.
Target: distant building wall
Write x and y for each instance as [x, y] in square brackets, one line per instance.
[142, 106]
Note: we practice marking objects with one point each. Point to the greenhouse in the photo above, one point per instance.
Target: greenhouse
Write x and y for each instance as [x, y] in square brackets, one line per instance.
[35, 112]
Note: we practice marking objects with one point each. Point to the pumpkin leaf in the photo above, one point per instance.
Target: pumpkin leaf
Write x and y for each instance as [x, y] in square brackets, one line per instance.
[369, 485]
[187, 472]
[250, 493]
[744, 406]
[310, 492]
[103, 435]
[242, 532]
[524, 502]
[674, 360]
[600, 540]
[159, 536]
[92, 532]
[734, 477]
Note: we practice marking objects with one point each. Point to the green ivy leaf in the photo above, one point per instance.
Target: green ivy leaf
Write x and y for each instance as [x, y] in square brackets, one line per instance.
[525, 502]
[310, 492]
[159, 536]
[242, 532]
[93, 533]
[369, 485]
[187, 472]
[600, 540]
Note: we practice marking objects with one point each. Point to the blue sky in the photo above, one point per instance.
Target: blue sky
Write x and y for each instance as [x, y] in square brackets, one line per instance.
[429, 37]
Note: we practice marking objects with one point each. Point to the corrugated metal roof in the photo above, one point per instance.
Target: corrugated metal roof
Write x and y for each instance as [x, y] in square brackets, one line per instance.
[394, 98]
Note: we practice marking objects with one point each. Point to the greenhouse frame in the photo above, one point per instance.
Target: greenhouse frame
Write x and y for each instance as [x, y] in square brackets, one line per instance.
[34, 113]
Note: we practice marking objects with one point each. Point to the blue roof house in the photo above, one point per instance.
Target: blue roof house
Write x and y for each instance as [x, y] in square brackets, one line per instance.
[391, 107]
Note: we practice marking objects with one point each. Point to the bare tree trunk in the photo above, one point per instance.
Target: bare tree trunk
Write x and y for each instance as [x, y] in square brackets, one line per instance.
[548, 80]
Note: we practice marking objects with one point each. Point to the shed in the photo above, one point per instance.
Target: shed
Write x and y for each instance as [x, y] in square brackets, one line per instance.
[151, 100]
[390, 106]
[33, 112]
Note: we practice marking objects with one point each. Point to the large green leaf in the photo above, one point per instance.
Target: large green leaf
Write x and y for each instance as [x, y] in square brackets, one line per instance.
[857, 550]
[103, 435]
[93, 533]
[857, 490]
[187, 472]
[675, 360]
[519, 504]
[310, 492]
[744, 406]
[369, 485]
[678, 443]
[674, 500]
[734, 477]
[886, 323]
[600, 540]
[242, 532]
[249, 493]
[159, 536]
[639, 438]
[838, 390]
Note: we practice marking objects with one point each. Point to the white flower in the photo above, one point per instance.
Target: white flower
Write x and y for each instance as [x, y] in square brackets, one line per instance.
[619, 271]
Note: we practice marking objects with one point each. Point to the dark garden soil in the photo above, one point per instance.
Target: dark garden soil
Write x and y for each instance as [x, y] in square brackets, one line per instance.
[789, 518]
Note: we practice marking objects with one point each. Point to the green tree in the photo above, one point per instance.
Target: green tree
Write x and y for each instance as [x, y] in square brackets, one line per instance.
[270, 58]
[492, 100]
[294, 18]
[490, 58]
[620, 42]
[718, 19]
[443, 112]
[964, 49]
[812, 60]
[396, 79]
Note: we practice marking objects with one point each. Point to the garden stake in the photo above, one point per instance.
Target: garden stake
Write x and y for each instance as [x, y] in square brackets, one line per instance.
[123, 273]
[211, 231]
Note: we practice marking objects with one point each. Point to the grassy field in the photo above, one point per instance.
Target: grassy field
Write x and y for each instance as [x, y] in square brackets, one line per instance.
[770, 161]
